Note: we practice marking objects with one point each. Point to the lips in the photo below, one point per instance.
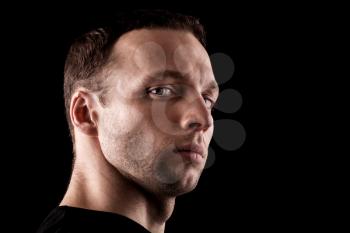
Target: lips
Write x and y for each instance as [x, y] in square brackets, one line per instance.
[190, 149]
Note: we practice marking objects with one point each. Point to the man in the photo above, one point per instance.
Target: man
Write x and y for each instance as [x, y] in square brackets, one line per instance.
[138, 96]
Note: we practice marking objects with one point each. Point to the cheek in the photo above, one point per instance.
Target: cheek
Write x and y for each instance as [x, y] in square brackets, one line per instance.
[138, 146]
[121, 118]
[211, 131]
[166, 116]
[126, 135]
[208, 135]
[169, 168]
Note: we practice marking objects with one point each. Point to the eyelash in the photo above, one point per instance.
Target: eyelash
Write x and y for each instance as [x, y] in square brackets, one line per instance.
[205, 97]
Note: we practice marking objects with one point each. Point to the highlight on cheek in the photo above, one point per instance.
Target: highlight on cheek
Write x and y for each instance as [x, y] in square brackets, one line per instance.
[160, 119]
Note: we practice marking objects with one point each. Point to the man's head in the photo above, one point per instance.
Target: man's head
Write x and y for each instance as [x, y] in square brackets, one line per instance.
[143, 88]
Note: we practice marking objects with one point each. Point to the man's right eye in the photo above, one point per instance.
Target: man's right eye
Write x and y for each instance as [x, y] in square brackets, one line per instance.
[161, 91]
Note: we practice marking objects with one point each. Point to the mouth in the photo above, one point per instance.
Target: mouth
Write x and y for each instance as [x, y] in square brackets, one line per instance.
[191, 152]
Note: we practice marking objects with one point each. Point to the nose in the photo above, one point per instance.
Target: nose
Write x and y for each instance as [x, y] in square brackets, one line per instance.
[196, 116]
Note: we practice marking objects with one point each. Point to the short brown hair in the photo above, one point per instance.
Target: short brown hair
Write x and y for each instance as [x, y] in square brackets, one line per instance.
[90, 53]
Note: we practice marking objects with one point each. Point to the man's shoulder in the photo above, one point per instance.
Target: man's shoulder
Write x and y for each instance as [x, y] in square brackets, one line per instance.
[64, 219]
[55, 222]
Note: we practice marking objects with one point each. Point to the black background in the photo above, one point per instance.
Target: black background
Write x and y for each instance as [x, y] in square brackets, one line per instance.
[267, 184]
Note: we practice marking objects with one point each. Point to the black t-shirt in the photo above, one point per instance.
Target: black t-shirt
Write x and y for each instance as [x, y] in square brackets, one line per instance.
[65, 219]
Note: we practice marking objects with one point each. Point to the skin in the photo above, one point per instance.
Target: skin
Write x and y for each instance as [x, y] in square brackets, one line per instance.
[158, 98]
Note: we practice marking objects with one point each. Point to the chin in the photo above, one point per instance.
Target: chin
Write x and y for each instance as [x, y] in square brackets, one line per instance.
[182, 186]
[173, 177]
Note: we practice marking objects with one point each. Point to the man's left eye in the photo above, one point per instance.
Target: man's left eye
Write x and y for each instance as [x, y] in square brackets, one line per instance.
[208, 102]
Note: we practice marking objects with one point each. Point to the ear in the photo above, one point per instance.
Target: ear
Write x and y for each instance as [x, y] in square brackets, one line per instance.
[83, 113]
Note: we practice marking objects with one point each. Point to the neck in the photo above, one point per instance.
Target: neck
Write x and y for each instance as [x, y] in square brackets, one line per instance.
[95, 184]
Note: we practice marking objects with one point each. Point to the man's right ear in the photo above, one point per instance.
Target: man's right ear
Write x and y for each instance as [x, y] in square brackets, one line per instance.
[83, 113]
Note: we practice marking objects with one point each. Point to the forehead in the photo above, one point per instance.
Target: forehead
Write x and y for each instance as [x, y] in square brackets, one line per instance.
[146, 51]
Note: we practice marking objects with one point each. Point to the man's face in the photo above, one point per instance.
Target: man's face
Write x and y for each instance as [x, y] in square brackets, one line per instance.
[156, 126]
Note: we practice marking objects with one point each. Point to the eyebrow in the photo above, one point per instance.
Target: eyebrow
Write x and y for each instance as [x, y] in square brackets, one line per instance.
[213, 86]
[161, 75]
[173, 74]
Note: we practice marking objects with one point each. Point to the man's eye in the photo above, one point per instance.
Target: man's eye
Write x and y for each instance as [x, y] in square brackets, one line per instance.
[208, 102]
[161, 91]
